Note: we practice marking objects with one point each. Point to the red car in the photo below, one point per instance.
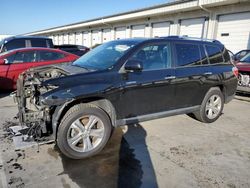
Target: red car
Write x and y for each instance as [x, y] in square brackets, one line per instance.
[244, 73]
[14, 62]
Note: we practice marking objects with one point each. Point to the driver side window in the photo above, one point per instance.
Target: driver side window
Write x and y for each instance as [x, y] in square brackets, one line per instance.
[154, 57]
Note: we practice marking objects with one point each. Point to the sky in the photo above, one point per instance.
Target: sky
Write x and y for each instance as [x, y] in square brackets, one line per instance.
[23, 16]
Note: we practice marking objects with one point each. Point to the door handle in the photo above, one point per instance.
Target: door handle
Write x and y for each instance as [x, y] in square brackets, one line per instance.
[208, 73]
[169, 77]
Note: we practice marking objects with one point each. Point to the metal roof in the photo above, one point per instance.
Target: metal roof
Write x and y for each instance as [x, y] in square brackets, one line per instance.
[173, 2]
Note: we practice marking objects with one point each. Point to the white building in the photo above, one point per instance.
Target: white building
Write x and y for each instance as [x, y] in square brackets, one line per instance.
[225, 20]
[4, 36]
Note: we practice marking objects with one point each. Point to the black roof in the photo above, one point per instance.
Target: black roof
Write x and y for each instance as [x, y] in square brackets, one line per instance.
[177, 38]
[23, 37]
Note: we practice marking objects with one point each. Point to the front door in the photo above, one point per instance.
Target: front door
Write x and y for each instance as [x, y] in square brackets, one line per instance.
[150, 90]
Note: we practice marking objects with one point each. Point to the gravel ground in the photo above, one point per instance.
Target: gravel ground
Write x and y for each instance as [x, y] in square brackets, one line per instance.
[170, 152]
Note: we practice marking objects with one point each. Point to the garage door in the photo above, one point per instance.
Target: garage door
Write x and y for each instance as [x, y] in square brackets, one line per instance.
[120, 33]
[192, 27]
[86, 39]
[65, 39]
[160, 29]
[55, 39]
[234, 31]
[96, 38]
[72, 38]
[60, 39]
[106, 35]
[138, 31]
[79, 38]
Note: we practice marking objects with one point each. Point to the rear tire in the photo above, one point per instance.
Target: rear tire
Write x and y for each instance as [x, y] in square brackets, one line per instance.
[211, 107]
[84, 131]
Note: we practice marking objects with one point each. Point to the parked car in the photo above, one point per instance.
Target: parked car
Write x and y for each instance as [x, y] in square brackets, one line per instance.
[239, 55]
[74, 49]
[16, 42]
[244, 74]
[14, 62]
[124, 82]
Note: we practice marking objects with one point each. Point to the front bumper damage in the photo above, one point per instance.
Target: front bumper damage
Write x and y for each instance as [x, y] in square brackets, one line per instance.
[32, 113]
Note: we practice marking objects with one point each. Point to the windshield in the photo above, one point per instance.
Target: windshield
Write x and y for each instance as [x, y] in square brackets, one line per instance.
[105, 55]
[246, 58]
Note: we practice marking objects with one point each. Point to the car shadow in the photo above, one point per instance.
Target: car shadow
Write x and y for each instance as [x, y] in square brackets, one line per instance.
[5, 93]
[243, 94]
[118, 165]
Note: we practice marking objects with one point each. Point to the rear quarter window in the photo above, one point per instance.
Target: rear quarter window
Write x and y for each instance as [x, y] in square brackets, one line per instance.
[214, 54]
[46, 43]
[187, 54]
[50, 56]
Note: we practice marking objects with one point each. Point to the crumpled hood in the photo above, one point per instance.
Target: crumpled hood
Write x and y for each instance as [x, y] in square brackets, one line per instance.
[69, 68]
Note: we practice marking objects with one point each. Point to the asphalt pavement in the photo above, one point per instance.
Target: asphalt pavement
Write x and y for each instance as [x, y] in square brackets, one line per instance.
[171, 152]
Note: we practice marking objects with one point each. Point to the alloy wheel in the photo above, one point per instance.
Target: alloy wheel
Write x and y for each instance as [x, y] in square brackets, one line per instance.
[85, 133]
[213, 106]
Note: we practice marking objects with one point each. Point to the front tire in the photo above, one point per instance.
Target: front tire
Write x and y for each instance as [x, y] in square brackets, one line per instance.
[211, 107]
[84, 131]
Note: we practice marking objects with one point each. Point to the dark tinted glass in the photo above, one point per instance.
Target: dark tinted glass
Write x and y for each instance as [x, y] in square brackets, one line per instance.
[48, 56]
[226, 55]
[10, 58]
[25, 57]
[38, 43]
[14, 44]
[187, 54]
[154, 57]
[214, 54]
[204, 60]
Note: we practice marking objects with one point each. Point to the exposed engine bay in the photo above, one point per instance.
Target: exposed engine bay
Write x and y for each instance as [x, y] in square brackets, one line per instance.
[32, 113]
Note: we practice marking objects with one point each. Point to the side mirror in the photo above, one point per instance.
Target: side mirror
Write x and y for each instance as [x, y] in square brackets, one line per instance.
[3, 61]
[133, 66]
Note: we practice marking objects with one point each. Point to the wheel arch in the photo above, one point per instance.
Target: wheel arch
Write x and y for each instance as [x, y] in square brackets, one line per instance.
[101, 103]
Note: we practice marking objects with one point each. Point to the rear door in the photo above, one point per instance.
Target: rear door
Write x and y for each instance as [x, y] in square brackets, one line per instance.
[151, 90]
[193, 74]
[46, 57]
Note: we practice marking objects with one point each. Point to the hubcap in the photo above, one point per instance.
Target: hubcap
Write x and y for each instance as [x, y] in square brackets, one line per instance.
[213, 106]
[85, 133]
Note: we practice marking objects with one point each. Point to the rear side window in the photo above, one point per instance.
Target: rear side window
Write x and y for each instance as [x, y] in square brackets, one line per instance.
[38, 43]
[50, 56]
[226, 55]
[25, 57]
[187, 54]
[14, 44]
[214, 54]
[46, 43]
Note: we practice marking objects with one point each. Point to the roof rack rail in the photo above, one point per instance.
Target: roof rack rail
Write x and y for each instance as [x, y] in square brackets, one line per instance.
[192, 38]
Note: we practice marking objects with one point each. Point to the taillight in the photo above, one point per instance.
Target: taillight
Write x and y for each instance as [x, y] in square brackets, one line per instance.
[235, 71]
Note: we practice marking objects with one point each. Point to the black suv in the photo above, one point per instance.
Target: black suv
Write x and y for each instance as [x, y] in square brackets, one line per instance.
[124, 82]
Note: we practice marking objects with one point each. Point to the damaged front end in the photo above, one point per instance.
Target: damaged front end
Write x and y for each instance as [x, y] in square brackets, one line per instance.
[32, 112]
